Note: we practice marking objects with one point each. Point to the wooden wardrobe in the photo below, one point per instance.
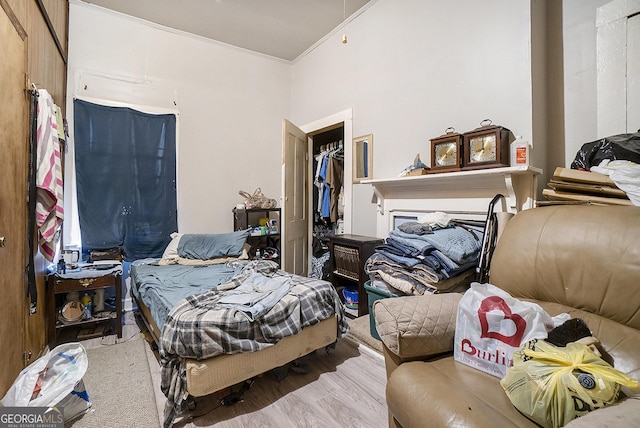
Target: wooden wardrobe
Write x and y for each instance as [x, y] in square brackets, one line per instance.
[33, 50]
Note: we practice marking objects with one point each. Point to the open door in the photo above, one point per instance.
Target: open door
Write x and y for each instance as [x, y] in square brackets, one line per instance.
[14, 166]
[295, 207]
[618, 71]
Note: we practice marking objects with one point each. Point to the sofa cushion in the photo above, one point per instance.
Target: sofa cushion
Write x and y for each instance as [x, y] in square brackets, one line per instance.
[583, 257]
[625, 413]
[417, 326]
[445, 393]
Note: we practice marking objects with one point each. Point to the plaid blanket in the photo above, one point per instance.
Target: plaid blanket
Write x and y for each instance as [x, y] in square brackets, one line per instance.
[198, 327]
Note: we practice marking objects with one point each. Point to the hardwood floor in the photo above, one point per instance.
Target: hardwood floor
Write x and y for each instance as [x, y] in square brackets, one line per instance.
[342, 388]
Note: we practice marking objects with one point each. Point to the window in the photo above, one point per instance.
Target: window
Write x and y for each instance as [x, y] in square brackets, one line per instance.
[126, 178]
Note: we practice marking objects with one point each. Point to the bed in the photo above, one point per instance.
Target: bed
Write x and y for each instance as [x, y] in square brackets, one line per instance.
[212, 330]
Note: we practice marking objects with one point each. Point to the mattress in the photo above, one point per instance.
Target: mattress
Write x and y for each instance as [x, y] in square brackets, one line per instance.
[160, 288]
[199, 331]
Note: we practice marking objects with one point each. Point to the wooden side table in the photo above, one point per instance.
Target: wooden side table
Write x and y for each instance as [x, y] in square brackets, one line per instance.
[348, 254]
[59, 330]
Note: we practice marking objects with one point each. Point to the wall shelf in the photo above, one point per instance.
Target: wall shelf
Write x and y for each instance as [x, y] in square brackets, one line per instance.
[455, 191]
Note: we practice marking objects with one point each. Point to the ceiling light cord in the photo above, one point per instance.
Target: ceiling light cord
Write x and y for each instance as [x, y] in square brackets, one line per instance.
[344, 17]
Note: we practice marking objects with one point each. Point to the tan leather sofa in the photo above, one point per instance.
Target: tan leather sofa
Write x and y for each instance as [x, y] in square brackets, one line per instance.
[584, 260]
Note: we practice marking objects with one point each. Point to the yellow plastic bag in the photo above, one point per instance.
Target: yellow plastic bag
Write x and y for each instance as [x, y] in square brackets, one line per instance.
[554, 385]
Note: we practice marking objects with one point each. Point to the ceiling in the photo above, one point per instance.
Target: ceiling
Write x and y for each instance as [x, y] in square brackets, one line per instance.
[280, 28]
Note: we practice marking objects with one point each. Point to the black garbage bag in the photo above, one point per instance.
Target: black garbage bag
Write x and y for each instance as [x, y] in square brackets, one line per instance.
[616, 147]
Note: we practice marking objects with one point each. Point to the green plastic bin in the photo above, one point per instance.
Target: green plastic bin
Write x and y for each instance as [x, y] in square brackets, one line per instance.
[375, 293]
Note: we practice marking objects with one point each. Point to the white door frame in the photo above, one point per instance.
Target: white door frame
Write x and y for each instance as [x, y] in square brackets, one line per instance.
[611, 34]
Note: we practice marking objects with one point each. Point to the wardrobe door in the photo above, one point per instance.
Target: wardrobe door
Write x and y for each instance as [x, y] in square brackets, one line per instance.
[13, 207]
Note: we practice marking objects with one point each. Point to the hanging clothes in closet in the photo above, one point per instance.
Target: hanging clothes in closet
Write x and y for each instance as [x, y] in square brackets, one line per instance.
[329, 180]
[327, 197]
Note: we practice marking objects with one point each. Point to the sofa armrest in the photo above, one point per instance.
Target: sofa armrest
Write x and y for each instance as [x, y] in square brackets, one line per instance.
[625, 413]
[412, 327]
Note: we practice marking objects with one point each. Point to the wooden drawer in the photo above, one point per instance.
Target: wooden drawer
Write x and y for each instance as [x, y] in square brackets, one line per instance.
[65, 285]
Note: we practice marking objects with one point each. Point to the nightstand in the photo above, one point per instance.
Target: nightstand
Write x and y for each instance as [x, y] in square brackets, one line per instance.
[60, 330]
[348, 254]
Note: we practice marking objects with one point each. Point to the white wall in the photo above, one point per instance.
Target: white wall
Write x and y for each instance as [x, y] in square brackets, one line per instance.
[580, 59]
[230, 104]
[413, 68]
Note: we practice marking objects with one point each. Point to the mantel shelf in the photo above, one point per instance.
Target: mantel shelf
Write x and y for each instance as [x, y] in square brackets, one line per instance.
[517, 182]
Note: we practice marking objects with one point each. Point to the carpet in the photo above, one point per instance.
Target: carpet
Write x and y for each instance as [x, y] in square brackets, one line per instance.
[118, 382]
[360, 330]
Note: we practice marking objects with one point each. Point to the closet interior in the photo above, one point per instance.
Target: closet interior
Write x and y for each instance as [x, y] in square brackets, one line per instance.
[328, 195]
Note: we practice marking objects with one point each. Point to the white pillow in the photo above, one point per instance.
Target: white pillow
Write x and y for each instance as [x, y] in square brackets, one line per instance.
[171, 252]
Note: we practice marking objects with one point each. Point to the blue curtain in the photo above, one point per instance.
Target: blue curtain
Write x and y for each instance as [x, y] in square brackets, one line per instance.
[125, 178]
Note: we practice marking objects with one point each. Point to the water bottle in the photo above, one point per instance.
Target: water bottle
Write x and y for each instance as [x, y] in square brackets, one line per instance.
[520, 152]
[86, 303]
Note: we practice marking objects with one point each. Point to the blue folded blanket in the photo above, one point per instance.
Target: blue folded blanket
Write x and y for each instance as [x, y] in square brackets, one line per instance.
[457, 243]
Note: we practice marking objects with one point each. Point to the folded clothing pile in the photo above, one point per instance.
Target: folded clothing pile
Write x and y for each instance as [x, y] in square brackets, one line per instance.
[434, 254]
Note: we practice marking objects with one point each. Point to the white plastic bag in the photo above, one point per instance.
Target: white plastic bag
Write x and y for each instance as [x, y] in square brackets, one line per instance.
[54, 379]
[491, 325]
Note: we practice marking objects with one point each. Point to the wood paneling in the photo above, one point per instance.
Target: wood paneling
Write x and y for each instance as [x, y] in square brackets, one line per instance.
[41, 58]
[13, 209]
[47, 67]
[57, 11]
[19, 9]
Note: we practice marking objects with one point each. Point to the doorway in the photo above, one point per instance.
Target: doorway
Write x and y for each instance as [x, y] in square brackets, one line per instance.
[298, 185]
[327, 194]
[618, 57]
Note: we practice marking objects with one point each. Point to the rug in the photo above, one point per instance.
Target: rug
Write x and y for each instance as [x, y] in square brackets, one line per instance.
[118, 382]
[360, 330]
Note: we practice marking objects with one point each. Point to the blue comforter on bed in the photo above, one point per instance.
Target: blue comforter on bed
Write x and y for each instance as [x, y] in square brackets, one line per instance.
[161, 287]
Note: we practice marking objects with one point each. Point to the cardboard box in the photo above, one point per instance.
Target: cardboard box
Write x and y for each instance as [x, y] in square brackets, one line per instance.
[577, 176]
[554, 195]
[572, 185]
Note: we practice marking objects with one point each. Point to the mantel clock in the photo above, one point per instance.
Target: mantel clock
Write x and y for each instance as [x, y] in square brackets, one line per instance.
[445, 152]
[485, 147]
